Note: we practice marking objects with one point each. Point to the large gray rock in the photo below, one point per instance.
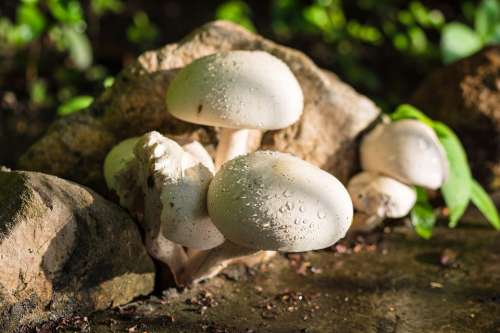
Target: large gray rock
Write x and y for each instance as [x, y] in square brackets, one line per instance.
[334, 114]
[466, 95]
[64, 248]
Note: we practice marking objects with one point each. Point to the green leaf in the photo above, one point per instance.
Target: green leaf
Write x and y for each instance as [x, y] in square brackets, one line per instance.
[101, 7]
[495, 38]
[142, 31]
[457, 189]
[32, 17]
[486, 18]
[484, 203]
[80, 50]
[458, 41]
[407, 111]
[67, 11]
[74, 104]
[423, 219]
[236, 11]
[38, 92]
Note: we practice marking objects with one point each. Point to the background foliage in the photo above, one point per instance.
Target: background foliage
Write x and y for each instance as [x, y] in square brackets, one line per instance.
[56, 55]
[54, 50]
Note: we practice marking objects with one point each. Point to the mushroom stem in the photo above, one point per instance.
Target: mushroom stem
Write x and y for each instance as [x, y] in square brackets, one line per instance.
[364, 222]
[207, 264]
[168, 252]
[235, 142]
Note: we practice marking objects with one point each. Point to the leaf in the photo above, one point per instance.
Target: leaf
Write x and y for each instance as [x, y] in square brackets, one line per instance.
[484, 203]
[457, 189]
[407, 111]
[423, 219]
[32, 17]
[458, 41]
[486, 19]
[74, 104]
[68, 11]
[142, 31]
[236, 11]
[80, 50]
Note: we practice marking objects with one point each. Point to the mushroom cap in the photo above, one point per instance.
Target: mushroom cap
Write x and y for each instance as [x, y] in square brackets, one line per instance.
[406, 150]
[199, 153]
[275, 201]
[374, 194]
[182, 182]
[117, 160]
[236, 89]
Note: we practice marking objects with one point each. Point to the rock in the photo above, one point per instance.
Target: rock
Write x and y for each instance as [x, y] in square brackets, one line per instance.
[334, 114]
[395, 282]
[466, 96]
[63, 248]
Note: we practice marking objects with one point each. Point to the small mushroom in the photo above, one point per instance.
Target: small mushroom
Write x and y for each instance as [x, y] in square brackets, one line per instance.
[178, 182]
[375, 194]
[120, 175]
[238, 91]
[377, 197]
[271, 201]
[406, 150]
[199, 153]
[165, 186]
[117, 159]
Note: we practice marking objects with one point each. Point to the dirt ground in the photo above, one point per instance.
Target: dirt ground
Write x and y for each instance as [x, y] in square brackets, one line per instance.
[390, 281]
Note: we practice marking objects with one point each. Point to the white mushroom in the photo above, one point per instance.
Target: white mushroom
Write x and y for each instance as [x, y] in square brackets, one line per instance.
[377, 197]
[117, 159]
[406, 150]
[165, 186]
[375, 194]
[271, 201]
[237, 91]
[178, 182]
[199, 152]
[120, 175]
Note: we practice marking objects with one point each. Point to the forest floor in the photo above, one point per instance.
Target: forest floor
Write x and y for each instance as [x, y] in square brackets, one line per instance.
[388, 281]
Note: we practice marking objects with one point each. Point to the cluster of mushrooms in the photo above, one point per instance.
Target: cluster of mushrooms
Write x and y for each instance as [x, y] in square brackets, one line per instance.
[395, 157]
[199, 216]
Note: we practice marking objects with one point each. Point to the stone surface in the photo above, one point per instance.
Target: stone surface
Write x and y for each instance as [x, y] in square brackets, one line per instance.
[63, 248]
[466, 95]
[395, 282]
[74, 147]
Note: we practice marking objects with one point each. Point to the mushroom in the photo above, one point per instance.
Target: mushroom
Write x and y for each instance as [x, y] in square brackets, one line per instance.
[271, 201]
[406, 150]
[199, 153]
[117, 159]
[165, 186]
[238, 91]
[376, 197]
[175, 186]
[120, 175]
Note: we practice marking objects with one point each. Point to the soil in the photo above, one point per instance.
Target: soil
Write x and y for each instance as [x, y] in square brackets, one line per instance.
[389, 281]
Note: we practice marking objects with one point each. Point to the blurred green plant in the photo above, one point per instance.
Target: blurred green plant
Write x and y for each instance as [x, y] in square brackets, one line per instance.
[460, 188]
[63, 21]
[459, 40]
[235, 11]
[142, 32]
[74, 104]
[350, 39]
[61, 27]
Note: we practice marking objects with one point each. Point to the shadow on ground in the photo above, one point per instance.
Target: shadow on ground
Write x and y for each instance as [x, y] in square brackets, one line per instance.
[400, 283]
